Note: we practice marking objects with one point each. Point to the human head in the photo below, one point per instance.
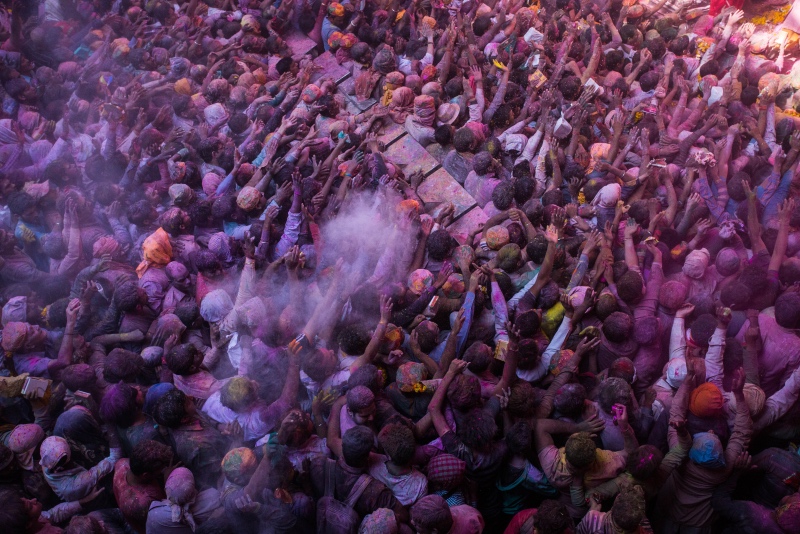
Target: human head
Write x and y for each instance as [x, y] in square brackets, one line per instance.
[727, 262]
[122, 365]
[445, 472]
[318, 364]
[707, 451]
[787, 514]
[397, 441]
[440, 245]
[630, 287]
[464, 392]
[238, 465]
[613, 391]
[170, 409]
[706, 400]
[628, 509]
[464, 140]
[617, 327]
[672, 295]
[149, 458]
[357, 443]
[477, 429]
[430, 515]
[787, 310]
[696, 263]
[183, 359]
[361, 405]
[118, 405]
[479, 357]
[55, 453]
[552, 517]
[295, 428]
[238, 393]
[580, 451]
[17, 513]
[180, 489]
[643, 462]
[702, 329]
[523, 399]
[518, 438]
[23, 442]
[569, 400]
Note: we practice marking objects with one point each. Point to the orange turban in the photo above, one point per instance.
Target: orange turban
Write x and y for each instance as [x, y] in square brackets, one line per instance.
[706, 400]
[156, 250]
[183, 87]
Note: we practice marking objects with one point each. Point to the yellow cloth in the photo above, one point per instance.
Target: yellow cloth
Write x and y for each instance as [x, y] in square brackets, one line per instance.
[156, 250]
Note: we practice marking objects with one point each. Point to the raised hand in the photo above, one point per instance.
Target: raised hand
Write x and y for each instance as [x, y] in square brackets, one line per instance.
[631, 228]
[551, 234]
[592, 424]
[587, 345]
[684, 311]
[503, 397]
[386, 308]
[322, 401]
[457, 367]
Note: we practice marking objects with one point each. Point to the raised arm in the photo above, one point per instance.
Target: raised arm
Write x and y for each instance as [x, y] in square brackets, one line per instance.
[65, 352]
[377, 336]
[782, 241]
[436, 406]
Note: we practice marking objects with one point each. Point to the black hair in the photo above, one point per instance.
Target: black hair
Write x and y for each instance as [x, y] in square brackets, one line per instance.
[149, 456]
[357, 443]
[122, 365]
[440, 245]
[284, 65]
[19, 202]
[171, 408]
[180, 359]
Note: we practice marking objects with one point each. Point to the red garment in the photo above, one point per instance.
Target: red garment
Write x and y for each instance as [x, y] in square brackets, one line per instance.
[134, 501]
[518, 520]
[718, 5]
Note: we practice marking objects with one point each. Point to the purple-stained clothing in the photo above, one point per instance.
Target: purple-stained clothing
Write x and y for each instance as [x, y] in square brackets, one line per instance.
[771, 193]
[19, 267]
[779, 356]
[607, 466]
[742, 516]
[481, 187]
[596, 522]
[159, 518]
[649, 360]
[775, 406]
[715, 203]
[291, 231]
[256, 421]
[200, 385]
[155, 282]
[686, 495]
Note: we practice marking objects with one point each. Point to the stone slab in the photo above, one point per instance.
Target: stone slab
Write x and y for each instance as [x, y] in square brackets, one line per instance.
[299, 43]
[391, 132]
[439, 187]
[329, 68]
[460, 228]
[354, 106]
[410, 156]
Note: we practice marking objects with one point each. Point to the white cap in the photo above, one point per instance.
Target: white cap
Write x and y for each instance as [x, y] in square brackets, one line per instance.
[676, 372]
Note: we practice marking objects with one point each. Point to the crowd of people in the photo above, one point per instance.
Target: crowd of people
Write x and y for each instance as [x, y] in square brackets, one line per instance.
[226, 309]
